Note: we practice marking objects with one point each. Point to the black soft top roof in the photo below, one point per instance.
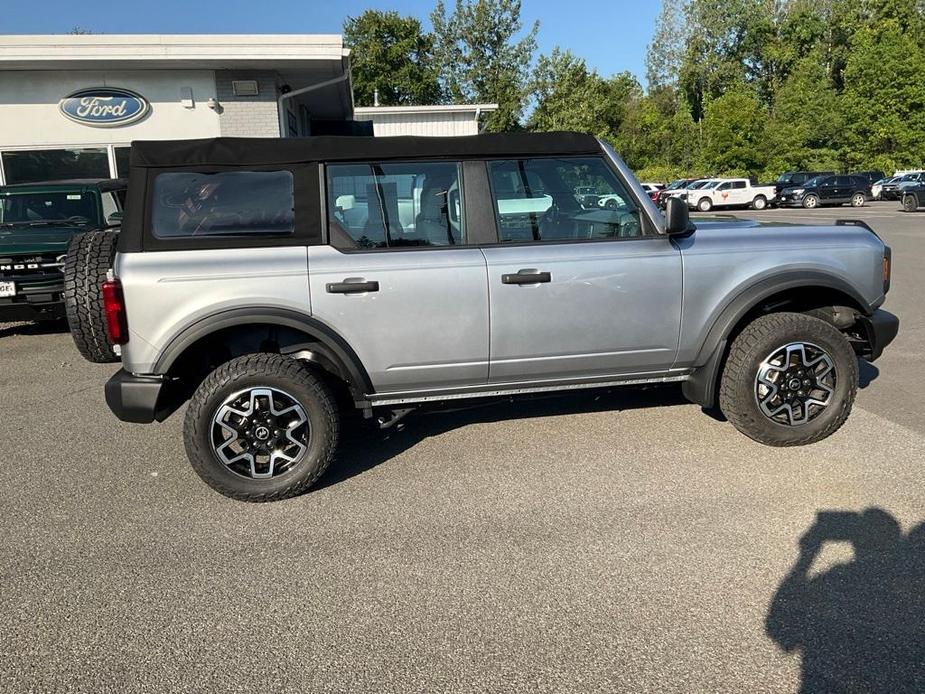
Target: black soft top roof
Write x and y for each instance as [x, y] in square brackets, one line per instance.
[230, 151]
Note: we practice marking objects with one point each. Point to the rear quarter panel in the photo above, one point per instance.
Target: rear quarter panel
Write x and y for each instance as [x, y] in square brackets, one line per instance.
[168, 291]
[723, 260]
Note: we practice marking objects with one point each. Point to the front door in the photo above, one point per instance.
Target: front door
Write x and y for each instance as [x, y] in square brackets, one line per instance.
[398, 281]
[577, 289]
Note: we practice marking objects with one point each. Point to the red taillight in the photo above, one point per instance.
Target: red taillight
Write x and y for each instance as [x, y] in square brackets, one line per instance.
[114, 305]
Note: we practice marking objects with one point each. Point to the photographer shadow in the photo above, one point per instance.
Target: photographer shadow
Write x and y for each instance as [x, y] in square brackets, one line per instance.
[859, 626]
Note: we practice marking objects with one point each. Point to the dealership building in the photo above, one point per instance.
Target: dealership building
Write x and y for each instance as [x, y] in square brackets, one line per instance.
[70, 105]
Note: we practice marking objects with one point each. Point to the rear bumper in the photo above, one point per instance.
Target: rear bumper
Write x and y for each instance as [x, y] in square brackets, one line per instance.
[881, 328]
[137, 399]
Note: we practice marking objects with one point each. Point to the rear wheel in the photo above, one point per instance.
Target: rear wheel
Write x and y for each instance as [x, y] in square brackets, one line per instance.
[261, 427]
[705, 205]
[760, 202]
[857, 200]
[910, 202]
[810, 202]
[790, 379]
[89, 257]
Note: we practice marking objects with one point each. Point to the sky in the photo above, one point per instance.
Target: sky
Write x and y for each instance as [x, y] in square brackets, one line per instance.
[610, 36]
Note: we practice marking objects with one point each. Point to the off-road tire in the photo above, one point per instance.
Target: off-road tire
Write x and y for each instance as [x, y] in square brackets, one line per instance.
[705, 204]
[760, 338]
[910, 202]
[270, 370]
[89, 258]
[857, 200]
[811, 202]
[760, 202]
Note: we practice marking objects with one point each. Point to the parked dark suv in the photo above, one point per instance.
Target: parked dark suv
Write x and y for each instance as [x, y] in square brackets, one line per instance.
[827, 190]
[37, 221]
[792, 179]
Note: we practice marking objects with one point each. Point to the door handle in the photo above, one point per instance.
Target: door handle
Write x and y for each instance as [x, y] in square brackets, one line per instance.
[526, 277]
[351, 287]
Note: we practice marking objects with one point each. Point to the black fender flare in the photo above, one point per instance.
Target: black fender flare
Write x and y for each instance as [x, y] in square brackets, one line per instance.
[700, 388]
[324, 334]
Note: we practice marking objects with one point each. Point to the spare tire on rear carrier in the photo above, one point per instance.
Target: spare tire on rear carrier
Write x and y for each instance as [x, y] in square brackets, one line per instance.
[89, 259]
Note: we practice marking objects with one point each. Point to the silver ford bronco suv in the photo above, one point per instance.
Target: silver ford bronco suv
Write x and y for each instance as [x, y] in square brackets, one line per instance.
[266, 281]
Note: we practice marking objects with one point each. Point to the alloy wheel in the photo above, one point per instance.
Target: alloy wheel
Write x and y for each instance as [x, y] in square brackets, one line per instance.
[795, 383]
[260, 432]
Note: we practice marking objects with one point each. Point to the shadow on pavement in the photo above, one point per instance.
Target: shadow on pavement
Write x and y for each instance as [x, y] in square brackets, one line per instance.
[867, 373]
[860, 626]
[363, 445]
[48, 327]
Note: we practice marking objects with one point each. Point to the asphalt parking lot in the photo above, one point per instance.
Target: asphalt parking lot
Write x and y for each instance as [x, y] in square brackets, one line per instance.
[614, 541]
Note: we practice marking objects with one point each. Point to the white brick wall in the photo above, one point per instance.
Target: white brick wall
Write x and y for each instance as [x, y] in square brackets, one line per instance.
[248, 116]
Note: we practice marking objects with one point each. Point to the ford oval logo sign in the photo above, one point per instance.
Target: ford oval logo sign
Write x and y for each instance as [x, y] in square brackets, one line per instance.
[104, 107]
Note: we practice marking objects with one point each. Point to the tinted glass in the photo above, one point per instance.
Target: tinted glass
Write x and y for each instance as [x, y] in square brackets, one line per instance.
[844, 181]
[64, 208]
[55, 165]
[738, 184]
[122, 157]
[536, 200]
[813, 182]
[228, 203]
[395, 205]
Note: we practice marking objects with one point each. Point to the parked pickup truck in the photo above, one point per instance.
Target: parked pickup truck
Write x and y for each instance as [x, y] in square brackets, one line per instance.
[732, 192]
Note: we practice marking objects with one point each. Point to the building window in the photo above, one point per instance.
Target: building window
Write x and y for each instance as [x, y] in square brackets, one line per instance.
[31, 166]
[122, 156]
[228, 203]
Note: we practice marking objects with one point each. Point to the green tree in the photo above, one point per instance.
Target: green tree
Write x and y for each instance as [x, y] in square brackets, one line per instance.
[806, 129]
[666, 50]
[734, 134]
[569, 96]
[481, 58]
[392, 54]
[884, 96]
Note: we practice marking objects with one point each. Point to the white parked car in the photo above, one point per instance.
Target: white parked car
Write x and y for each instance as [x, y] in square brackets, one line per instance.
[730, 192]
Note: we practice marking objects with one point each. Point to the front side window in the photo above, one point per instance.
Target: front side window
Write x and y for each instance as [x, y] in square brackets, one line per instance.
[548, 200]
[390, 205]
[223, 204]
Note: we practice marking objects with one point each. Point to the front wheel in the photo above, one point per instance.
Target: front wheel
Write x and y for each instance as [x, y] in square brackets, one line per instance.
[910, 202]
[705, 205]
[857, 200]
[261, 427]
[810, 202]
[790, 379]
[760, 202]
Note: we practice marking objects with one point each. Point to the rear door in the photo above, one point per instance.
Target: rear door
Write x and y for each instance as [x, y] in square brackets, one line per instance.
[576, 291]
[399, 279]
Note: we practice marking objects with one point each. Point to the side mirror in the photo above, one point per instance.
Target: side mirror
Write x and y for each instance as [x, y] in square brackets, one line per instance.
[677, 217]
[114, 220]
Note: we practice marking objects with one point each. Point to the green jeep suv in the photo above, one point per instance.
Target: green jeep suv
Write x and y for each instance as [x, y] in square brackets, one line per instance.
[37, 222]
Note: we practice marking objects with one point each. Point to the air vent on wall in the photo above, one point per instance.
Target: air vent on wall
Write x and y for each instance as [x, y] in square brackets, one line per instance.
[244, 87]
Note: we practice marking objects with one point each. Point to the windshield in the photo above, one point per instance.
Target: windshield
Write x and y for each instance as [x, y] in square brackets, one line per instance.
[710, 184]
[785, 178]
[697, 184]
[59, 207]
[674, 185]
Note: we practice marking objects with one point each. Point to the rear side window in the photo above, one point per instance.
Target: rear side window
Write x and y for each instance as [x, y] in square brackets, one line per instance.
[393, 205]
[223, 204]
[567, 199]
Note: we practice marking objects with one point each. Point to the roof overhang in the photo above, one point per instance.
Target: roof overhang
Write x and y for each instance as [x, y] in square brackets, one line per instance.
[474, 109]
[176, 51]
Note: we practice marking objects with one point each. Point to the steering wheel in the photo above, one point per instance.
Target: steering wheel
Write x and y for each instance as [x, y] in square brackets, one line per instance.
[78, 219]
